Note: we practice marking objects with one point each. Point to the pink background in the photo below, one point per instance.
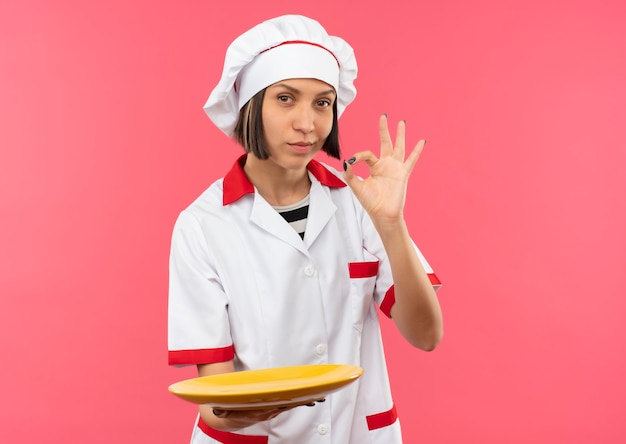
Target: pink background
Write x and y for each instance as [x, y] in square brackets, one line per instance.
[518, 203]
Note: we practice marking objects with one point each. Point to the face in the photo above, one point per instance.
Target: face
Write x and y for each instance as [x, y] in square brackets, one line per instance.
[297, 119]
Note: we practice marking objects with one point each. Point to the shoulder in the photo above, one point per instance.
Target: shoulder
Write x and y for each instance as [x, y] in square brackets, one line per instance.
[208, 202]
[204, 211]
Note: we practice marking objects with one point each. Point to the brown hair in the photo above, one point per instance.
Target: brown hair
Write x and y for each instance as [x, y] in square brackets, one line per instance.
[250, 135]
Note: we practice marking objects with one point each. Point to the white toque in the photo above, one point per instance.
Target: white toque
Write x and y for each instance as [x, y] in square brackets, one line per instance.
[286, 47]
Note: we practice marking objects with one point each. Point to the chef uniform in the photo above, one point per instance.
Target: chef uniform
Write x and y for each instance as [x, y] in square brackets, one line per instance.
[245, 286]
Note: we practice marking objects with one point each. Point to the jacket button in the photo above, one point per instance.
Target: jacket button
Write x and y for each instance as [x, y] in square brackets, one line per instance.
[320, 349]
[309, 270]
[322, 429]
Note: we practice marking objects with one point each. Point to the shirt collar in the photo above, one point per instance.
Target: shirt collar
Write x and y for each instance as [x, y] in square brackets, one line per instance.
[237, 184]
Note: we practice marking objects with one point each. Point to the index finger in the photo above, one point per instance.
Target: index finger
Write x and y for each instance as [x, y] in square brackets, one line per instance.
[413, 156]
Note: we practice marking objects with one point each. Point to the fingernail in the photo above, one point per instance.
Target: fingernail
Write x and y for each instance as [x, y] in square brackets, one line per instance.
[385, 114]
[345, 166]
[218, 412]
[321, 400]
[351, 160]
[310, 404]
[404, 121]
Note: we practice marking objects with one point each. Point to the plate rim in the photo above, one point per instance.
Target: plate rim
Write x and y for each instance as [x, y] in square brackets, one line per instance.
[266, 397]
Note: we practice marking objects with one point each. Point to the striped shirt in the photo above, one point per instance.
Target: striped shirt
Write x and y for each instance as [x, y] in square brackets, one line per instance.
[295, 214]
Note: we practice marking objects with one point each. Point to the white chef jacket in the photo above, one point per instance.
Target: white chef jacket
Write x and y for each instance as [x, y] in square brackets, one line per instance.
[245, 286]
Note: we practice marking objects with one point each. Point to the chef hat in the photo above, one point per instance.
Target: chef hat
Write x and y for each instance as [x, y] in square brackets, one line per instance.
[286, 47]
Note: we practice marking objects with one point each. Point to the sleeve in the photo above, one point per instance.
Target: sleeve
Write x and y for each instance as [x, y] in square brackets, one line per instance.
[384, 290]
[198, 325]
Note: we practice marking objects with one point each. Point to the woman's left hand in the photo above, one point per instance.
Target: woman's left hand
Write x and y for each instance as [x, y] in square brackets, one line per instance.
[383, 193]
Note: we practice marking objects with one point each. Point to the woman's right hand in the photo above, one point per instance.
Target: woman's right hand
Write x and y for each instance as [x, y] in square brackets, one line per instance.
[237, 419]
[230, 420]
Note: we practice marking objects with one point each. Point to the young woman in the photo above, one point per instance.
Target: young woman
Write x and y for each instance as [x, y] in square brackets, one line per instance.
[284, 260]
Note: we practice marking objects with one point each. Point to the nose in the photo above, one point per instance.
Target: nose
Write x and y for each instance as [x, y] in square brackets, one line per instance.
[303, 119]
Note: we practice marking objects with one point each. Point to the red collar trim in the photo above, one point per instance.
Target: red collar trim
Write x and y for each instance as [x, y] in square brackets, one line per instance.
[237, 185]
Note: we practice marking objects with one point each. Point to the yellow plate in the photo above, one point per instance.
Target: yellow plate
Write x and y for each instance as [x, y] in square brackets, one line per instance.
[271, 387]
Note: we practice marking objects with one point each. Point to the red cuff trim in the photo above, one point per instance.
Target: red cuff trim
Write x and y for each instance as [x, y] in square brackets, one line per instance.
[390, 296]
[434, 280]
[229, 437]
[363, 269]
[383, 419]
[388, 301]
[203, 356]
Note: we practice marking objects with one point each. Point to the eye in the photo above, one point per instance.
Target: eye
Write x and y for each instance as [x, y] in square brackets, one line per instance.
[324, 103]
[284, 98]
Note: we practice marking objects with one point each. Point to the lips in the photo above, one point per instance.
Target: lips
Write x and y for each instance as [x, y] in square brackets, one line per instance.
[302, 147]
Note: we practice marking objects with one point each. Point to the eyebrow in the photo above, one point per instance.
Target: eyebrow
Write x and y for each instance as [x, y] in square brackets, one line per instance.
[297, 91]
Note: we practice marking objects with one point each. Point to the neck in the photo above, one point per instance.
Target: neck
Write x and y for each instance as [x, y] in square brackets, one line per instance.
[278, 186]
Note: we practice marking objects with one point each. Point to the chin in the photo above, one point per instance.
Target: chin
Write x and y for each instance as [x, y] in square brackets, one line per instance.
[294, 162]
